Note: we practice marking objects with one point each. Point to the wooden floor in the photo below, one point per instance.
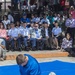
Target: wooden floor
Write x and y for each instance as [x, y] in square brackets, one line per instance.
[42, 54]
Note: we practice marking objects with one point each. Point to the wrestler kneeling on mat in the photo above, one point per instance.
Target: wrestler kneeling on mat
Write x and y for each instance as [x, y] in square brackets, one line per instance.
[28, 65]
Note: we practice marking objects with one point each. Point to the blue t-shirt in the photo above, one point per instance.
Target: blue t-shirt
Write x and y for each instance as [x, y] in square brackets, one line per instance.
[25, 20]
[31, 68]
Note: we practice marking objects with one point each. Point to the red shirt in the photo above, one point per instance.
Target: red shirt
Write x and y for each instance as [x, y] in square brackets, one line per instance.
[73, 14]
[62, 2]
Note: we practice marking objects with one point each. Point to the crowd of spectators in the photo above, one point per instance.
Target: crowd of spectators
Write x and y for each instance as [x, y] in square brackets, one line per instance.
[40, 32]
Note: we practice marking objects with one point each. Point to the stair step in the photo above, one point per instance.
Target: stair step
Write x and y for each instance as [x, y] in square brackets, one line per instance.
[41, 55]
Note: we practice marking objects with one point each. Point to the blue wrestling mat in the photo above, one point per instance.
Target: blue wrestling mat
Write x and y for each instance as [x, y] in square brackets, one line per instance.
[60, 68]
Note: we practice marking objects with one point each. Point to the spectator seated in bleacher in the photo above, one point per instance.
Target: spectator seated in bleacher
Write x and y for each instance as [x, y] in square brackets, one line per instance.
[56, 34]
[31, 26]
[3, 31]
[5, 21]
[13, 33]
[51, 19]
[17, 24]
[36, 37]
[67, 43]
[45, 20]
[47, 36]
[32, 18]
[25, 19]
[55, 17]
[10, 17]
[24, 35]
[37, 19]
[72, 12]
[3, 37]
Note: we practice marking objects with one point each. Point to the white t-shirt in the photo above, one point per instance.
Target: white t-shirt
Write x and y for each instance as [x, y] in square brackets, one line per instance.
[5, 22]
